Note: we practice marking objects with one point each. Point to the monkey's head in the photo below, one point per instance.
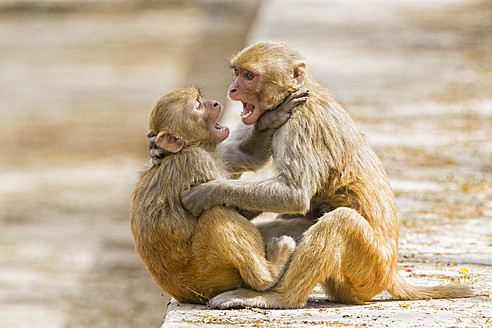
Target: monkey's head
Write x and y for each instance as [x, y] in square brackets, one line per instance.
[183, 118]
[263, 75]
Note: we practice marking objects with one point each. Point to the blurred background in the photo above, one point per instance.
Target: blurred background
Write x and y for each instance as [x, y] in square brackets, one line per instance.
[78, 80]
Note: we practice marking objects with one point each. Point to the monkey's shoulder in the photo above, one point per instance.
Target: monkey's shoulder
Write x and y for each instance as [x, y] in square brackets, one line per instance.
[157, 195]
[321, 114]
[179, 171]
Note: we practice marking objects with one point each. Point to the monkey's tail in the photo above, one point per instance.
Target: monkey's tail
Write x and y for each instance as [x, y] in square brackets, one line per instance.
[402, 290]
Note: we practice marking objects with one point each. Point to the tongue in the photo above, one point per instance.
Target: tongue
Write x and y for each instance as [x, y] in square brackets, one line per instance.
[248, 109]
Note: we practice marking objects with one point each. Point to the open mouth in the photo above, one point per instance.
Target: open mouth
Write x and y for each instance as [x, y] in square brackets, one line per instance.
[248, 110]
[219, 127]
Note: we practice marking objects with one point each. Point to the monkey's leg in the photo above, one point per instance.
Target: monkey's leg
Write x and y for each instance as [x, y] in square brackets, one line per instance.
[310, 264]
[341, 247]
[368, 266]
[367, 263]
[343, 250]
[224, 234]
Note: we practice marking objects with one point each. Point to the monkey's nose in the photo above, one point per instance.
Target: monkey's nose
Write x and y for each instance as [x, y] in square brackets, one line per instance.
[216, 104]
[233, 90]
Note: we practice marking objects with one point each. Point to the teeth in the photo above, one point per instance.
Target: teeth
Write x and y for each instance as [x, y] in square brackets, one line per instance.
[248, 110]
[246, 115]
[219, 127]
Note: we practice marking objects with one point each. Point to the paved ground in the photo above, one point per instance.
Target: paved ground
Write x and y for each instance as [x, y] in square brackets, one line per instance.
[416, 77]
[78, 80]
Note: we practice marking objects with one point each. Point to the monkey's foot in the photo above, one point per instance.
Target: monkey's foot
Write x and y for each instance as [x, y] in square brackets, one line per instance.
[241, 297]
[280, 249]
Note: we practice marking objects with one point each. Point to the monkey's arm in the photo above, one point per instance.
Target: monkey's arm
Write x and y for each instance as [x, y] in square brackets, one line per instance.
[249, 147]
[266, 195]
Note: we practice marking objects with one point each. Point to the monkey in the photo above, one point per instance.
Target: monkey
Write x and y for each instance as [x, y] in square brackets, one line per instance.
[324, 171]
[195, 258]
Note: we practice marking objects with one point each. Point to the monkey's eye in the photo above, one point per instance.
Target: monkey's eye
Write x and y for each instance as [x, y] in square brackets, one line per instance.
[236, 72]
[249, 76]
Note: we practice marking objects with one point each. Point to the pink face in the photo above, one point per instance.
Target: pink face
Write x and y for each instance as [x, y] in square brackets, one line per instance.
[244, 88]
[208, 111]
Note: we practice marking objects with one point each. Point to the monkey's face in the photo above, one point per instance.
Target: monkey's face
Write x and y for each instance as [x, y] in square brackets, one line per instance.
[263, 75]
[183, 118]
[206, 113]
[245, 88]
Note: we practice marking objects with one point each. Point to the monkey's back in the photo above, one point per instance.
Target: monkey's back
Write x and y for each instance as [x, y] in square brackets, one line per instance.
[162, 228]
[329, 155]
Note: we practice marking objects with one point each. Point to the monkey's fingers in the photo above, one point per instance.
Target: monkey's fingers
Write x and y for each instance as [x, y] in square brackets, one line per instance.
[297, 101]
[294, 99]
[152, 142]
[156, 160]
[150, 134]
[296, 95]
[157, 152]
[277, 117]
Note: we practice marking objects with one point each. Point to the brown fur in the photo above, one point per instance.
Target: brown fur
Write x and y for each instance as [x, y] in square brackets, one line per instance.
[323, 169]
[193, 259]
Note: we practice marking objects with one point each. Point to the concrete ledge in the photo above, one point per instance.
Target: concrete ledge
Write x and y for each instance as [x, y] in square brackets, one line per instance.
[382, 312]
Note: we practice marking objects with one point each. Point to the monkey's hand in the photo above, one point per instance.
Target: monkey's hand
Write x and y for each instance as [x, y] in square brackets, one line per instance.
[156, 154]
[275, 118]
[199, 198]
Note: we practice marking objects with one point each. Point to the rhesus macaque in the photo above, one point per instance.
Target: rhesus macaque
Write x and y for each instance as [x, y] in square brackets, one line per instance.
[193, 259]
[325, 171]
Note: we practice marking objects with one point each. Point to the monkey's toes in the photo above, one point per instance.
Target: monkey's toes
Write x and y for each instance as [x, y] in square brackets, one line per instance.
[225, 300]
[280, 247]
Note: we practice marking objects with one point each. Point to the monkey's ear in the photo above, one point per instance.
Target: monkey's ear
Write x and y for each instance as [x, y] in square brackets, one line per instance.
[298, 74]
[170, 141]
